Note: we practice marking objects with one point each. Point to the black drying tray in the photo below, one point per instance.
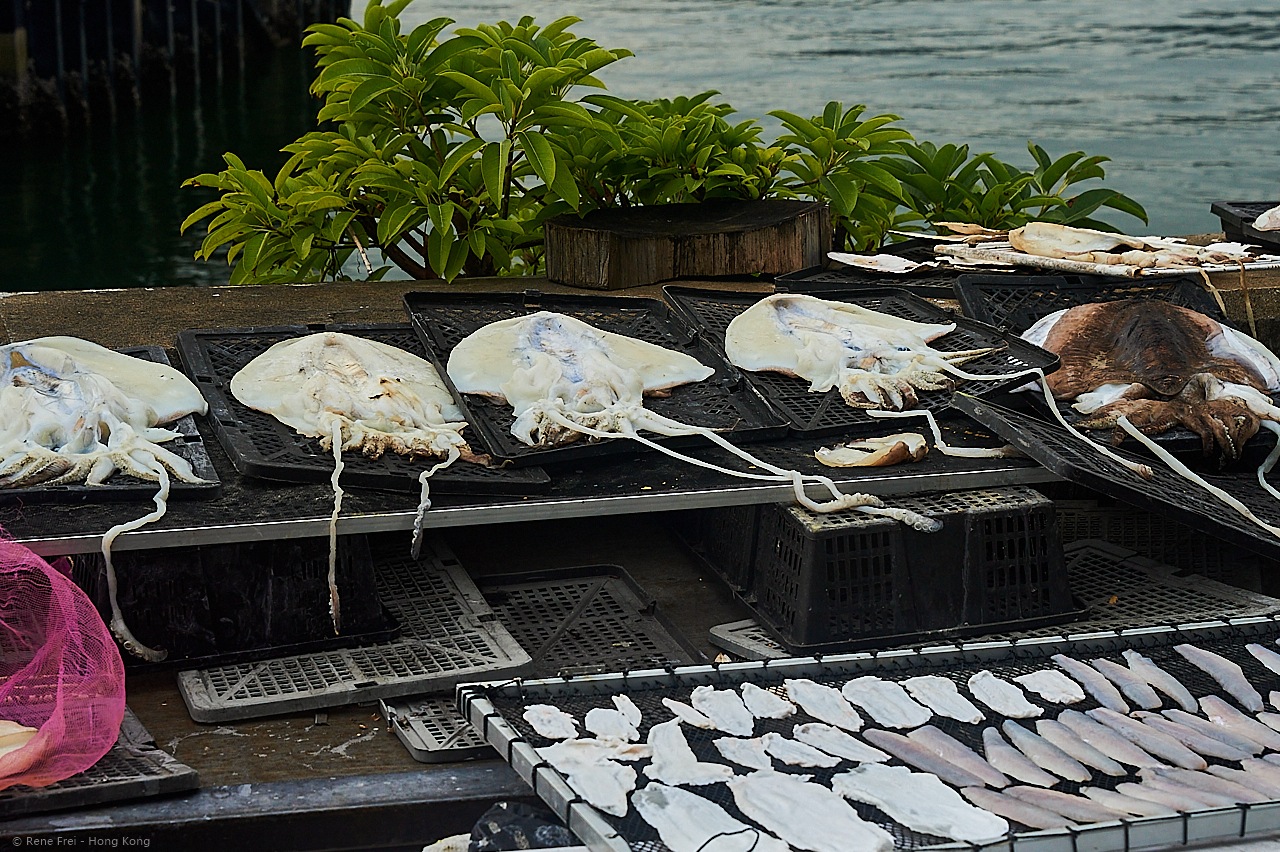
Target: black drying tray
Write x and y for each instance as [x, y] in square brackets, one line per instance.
[260, 445]
[813, 414]
[1237, 222]
[931, 282]
[1166, 493]
[121, 487]
[1016, 302]
[723, 402]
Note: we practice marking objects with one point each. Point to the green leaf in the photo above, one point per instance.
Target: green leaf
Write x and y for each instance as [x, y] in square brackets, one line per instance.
[457, 157]
[393, 223]
[540, 154]
[368, 90]
[565, 186]
[472, 85]
[841, 191]
[493, 165]
[200, 212]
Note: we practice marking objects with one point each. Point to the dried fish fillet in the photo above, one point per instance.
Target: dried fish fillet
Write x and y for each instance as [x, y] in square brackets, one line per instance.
[958, 754]
[823, 703]
[628, 708]
[566, 755]
[687, 822]
[725, 710]
[1076, 808]
[1222, 713]
[550, 722]
[1052, 686]
[1197, 794]
[911, 752]
[1144, 668]
[1093, 681]
[1228, 675]
[675, 763]
[764, 704]
[1274, 698]
[749, 753]
[687, 714]
[1067, 740]
[919, 801]
[1264, 655]
[1149, 739]
[1191, 738]
[1206, 781]
[1176, 801]
[796, 754]
[1126, 804]
[807, 816]
[604, 785]
[1045, 754]
[1214, 730]
[1012, 762]
[1271, 720]
[1001, 696]
[1254, 781]
[1015, 809]
[610, 723]
[1262, 768]
[837, 742]
[886, 701]
[1134, 688]
[941, 696]
[1106, 740]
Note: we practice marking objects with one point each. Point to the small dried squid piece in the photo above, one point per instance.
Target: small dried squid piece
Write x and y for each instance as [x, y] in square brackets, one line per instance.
[875, 452]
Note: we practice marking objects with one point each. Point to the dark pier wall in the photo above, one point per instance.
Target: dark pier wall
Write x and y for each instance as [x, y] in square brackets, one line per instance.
[64, 63]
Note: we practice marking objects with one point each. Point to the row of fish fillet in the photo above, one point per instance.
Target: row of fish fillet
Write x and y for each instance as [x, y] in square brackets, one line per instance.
[1120, 759]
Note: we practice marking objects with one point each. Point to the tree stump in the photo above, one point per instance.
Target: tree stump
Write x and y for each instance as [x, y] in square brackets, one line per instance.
[631, 247]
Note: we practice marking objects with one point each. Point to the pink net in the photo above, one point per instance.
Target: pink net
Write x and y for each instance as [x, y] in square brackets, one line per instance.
[60, 672]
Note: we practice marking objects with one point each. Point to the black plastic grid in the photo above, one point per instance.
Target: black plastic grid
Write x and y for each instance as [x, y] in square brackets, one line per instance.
[849, 580]
[724, 538]
[433, 730]
[722, 402]
[1016, 302]
[1165, 493]
[1227, 641]
[1237, 222]
[120, 486]
[260, 445]
[814, 414]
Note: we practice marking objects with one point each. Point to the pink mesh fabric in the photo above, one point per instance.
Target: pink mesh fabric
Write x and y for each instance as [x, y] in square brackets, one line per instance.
[60, 672]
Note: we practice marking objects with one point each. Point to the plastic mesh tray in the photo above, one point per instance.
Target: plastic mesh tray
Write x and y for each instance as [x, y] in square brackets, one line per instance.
[448, 635]
[495, 710]
[120, 486]
[1166, 493]
[1016, 302]
[722, 402]
[1120, 590]
[260, 445]
[573, 622]
[817, 414]
[133, 769]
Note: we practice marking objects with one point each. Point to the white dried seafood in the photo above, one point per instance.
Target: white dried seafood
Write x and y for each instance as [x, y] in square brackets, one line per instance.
[675, 763]
[890, 263]
[628, 708]
[875, 452]
[836, 742]
[687, 714]
[72, 411]
[610, 723]
[1269, 220]
[1005, 698]
[919, 801]
[687, 822]
[550, 722]
[749, 753]
[941, 696]
[886, 701]
[796, 753]
[823, 703]
[1048, 239]
[14, 736]
[764, 704]
[806, 815]
[725, 710]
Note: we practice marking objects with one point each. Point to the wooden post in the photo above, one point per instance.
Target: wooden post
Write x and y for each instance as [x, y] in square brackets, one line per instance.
[631, 247]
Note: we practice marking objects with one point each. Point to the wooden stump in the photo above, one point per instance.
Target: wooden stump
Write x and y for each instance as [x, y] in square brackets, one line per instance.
[631, 247]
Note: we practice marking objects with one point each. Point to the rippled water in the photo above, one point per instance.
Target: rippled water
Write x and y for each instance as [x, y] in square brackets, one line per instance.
[1183, 95]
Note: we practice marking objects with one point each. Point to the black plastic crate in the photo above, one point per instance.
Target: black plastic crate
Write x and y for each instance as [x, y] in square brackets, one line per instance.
[1016, 302]
[723, 538]
[120, 486]
[820, 414]
[1237, 223]
[246, 601]
[849, 580]
[723, 402]
[260, 445]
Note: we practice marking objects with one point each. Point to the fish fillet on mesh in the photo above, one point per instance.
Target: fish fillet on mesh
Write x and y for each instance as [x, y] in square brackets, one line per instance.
[1012, 762]
[687, 822]
[566, 754]
[941, 696]
[1264, 655]
[1146, 669]
[1206, 798]
[1045, 754]
[1207, 781]
[1211, 729]
[675, 763]
[628, 708]
[725, 710]
[1067, 740]
[610, 723]
[1149, 739]
[806, 815]
[749, 753]
[1174, 801]
[1001, 696]
[1135, 689]
[1106, 740]
[911, 752]
[958, 754]
[1094, 683]
[1274, 698]
[1254, 781]
[796, 753]
[1222, 713]
[919, 801]
[1191, 738]
[687, 714]
[551, 722]
[764, 704]
[1015, 809]
[1076, 808]
[837, 742]
[1052, 686]
[823, 703]
[592, 775]
[1126, 804]
[886, 701]
[1228, 675]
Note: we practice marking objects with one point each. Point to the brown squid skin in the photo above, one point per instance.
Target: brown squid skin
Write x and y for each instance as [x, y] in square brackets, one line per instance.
[1160, 350]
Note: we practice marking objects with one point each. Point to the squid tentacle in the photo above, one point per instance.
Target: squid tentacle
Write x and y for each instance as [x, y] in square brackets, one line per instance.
[338, 465]
[424, 501]
[118, 626]
[1007, 451]
[1270, 460]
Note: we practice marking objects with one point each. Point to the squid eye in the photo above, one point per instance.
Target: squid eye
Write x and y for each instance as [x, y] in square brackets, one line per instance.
[904, 348]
